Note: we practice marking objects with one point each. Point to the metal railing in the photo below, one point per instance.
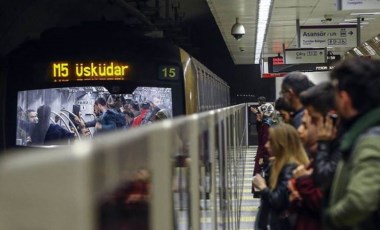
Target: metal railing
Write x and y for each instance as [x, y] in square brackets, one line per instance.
[188, 171]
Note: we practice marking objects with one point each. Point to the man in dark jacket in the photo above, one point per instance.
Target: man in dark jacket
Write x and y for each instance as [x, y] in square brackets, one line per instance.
[310, 182]
[292, 86]
[107, 121]
[355, 194]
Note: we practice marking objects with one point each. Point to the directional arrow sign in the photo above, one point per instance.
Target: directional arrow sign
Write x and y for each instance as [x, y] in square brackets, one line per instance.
[296, 56]
[328, 36]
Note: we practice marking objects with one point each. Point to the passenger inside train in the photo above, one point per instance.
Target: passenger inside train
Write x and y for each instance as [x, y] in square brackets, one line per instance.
[44, 132]
[94, 110]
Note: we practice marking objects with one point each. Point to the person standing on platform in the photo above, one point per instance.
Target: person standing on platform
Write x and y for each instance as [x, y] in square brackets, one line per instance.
[284, 109]
[286, 147]
[354, 201]
[292, 86]
[264, 121]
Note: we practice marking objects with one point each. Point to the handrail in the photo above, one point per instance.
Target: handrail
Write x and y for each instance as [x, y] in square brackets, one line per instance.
[210, 143]
[52, 120]
[65, 110]
[70, 122]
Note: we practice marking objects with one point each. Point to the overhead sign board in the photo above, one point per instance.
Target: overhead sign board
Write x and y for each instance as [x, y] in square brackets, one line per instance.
[358, 4]
[328, 36]
[332, 59]
[274, 61]
[297, 56]
[304, 67]
[87, 71]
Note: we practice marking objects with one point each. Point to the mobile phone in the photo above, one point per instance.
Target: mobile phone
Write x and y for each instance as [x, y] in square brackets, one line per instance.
[334, 118]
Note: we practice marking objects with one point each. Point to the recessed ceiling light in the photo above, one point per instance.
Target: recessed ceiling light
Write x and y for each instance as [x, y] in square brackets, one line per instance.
[355, 19]
[366, 13]
[353, 23]
[264, 12]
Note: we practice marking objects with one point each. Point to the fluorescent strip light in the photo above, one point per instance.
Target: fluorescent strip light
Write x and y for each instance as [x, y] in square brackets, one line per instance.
[369, 49]
[262, 26]
[355, 19]
[373, 13]
[352, 23]
[358, 52]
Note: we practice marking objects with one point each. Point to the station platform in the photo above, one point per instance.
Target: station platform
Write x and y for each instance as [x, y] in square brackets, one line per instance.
[193, 172]
[248, 206]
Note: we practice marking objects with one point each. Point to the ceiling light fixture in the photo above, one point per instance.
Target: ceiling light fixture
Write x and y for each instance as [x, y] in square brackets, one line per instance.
[363, 13]
[355, 19]
[353, 23]
[264, 11]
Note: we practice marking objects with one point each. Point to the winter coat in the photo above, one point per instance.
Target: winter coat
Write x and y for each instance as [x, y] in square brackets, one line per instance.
[262, 152]
[355, 193]
[326, 160]
[308, 208]
[278, 200]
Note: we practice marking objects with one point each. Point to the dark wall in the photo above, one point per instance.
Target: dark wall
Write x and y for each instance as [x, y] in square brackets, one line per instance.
[211, 49]
[213, 53]
[247, 81]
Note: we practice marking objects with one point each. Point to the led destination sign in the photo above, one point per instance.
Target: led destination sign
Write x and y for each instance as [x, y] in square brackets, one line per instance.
[65, 71]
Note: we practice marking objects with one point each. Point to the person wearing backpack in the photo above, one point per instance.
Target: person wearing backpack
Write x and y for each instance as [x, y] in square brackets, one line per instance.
[142, 118]
[107, 120]
[355, 192]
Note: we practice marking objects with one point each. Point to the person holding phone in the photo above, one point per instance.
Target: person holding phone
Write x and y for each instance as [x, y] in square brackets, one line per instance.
[286, 147]
[354, 201]
[319, 101]
[263, 122]
[310, 183]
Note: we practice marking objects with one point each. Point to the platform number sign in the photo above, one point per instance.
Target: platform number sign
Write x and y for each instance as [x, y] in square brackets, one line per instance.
[167, 72]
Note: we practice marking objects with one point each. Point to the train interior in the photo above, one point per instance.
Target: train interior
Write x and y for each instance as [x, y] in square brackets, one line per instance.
[69, 104]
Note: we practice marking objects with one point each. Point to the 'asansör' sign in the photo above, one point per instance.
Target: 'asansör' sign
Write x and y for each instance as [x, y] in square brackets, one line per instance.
[328, 36]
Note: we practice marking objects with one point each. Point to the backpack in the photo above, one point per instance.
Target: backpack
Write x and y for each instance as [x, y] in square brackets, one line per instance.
[147, 118]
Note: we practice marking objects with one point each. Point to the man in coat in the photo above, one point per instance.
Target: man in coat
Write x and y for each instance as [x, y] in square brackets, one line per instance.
[355, 193]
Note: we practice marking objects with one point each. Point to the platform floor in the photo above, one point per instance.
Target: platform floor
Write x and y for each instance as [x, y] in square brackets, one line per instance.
[249, 204]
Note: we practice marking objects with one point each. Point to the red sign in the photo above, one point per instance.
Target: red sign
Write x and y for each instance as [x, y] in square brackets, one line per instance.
[278, 61]
[272, 75]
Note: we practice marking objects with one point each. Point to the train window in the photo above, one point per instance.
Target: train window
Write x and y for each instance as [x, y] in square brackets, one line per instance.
[59, 116]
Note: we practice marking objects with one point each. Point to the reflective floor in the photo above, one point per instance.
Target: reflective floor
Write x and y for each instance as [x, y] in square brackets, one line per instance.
[249, 205]
[248, 208]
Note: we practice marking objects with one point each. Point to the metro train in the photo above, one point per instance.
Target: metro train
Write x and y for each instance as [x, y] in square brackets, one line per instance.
[69, 68]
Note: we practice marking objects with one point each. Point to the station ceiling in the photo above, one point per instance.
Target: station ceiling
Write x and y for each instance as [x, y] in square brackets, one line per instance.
[282, 27]
[25, 19]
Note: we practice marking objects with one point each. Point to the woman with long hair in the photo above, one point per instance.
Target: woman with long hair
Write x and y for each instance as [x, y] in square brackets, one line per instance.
[285, 146]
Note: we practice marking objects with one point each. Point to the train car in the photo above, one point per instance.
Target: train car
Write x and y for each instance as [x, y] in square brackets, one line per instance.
[67, 69]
